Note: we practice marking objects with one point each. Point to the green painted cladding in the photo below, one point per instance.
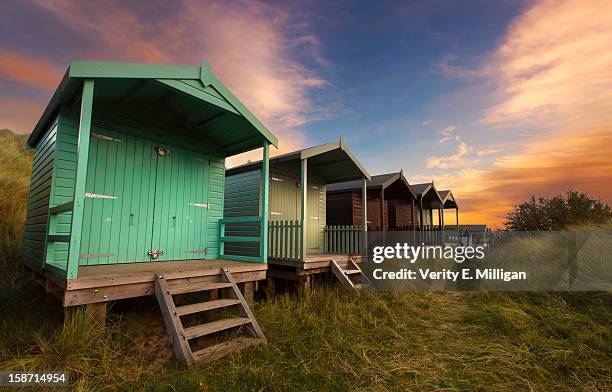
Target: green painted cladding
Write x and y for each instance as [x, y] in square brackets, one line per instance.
[243, 195]
[243, 198]
[39, 197]
[172, 203]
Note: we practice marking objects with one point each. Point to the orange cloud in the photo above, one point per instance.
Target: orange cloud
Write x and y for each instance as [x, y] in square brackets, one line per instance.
[546, 166]
[33, 71]
[552, 70]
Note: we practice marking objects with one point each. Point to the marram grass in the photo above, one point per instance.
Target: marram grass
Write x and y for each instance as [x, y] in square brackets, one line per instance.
[326, 339]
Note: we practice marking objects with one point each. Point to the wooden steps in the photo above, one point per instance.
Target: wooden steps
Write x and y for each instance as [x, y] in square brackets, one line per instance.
[180, 336]
[223, 349]
[205, 306]
[214, 326]
[344, 275]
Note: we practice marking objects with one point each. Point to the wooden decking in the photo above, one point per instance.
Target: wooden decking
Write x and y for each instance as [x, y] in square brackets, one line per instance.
[302, 271]
[102, 283]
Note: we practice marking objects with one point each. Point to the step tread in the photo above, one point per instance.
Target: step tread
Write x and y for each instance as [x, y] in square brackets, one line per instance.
[192, 288]
[215, 326]
[220, 350]
[353, 271]
[205, 306]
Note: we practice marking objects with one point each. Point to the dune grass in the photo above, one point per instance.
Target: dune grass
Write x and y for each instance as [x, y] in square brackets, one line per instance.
[328, 339]
[325, 339]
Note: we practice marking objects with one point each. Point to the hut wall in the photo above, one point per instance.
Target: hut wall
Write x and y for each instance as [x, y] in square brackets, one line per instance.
[35, 231]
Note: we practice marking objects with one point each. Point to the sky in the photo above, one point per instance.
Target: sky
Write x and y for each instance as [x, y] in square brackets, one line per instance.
[496, 100]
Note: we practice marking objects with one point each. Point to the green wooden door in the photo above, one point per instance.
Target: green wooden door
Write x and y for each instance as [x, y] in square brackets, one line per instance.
[119, 199]
[181, 205]
[137, 201]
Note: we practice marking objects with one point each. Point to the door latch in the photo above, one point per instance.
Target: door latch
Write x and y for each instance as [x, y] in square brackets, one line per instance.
[162, 151]
[154, 254]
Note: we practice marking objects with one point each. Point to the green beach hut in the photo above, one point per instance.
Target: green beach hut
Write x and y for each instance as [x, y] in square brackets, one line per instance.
[128, 180]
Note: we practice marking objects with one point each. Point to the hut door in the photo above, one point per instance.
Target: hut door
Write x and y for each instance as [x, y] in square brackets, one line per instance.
[119, 199]
[181, 205]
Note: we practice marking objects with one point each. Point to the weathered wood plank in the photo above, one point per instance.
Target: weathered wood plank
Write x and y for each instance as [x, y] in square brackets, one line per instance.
[182, 351]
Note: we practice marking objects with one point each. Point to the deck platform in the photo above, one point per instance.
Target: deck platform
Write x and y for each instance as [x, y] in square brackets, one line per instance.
[109, 282]
[302, 272]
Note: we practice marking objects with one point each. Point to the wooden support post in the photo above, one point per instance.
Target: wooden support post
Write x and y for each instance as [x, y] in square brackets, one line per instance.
[421, 211]
[270, 287]
[457, 224]
[382, 209]
[95, 314]
[305, 283]
[442, 228]
[364, 215]
[265, 196]
[304, 209]
[457, 218]
[248, 292]
[74, 249]
[413, 215]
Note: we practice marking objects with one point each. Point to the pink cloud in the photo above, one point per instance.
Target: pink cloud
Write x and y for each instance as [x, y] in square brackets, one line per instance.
[31, 70]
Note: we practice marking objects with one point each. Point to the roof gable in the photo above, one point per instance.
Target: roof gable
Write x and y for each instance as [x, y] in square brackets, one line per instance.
[197, 83]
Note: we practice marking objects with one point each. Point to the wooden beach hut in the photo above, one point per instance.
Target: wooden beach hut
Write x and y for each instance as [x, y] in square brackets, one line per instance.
[126, 197]
[300, 241]
[390, 203]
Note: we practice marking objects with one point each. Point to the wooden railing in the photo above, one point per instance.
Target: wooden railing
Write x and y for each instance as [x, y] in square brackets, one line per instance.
[239, 239]
[53, 238]
[284, 240]
[343, 239]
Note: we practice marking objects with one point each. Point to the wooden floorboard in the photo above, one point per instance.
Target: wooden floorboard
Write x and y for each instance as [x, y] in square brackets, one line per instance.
[91, 276]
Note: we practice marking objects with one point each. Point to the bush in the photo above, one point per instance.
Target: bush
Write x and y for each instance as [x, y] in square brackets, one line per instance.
[559, 212]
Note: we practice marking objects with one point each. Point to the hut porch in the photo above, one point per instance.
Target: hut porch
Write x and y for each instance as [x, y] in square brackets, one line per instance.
[109, 282]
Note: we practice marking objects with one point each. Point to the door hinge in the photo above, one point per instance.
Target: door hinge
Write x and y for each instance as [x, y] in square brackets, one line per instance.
[161, 151]
[197, 251]
[154, 254]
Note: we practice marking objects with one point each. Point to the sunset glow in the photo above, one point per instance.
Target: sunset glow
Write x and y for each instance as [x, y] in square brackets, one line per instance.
[515, 102]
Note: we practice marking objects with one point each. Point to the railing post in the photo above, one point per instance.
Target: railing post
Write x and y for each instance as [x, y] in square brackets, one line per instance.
[265, 195]
[364, 216]
[74, 248]
[221, 235]
[442, 228]
[304, 209]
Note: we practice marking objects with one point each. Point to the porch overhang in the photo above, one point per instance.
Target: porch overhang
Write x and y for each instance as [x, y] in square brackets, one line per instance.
[189, 98]
[448, 199]
[332, 162]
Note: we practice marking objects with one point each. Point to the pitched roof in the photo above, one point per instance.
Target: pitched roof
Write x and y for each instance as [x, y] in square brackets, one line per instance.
[334, 160]
[448, 198]
[193, 95]
[377, 181]
[420, 189]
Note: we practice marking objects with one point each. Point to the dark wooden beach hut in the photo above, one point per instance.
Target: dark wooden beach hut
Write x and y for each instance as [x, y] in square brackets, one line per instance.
[390, 203]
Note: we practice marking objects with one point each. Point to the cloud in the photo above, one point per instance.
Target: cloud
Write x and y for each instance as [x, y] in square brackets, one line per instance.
[250, 45]
[455, 160]
[29, 70]
[426, 122]
[581, 162]
[553, 66]
[552, 87]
